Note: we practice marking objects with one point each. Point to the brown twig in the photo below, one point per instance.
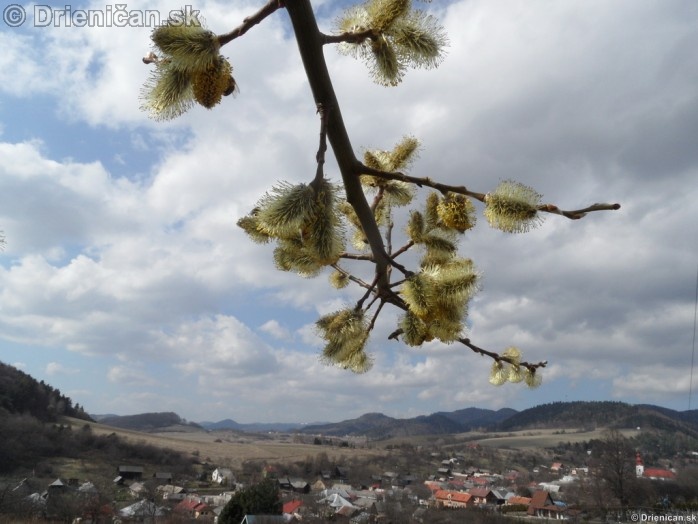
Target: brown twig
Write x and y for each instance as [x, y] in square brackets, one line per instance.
[491, 354]
[310, 46]
[351, 277]
[445, 188]
[322, 148]
[351, 37]
[500, 358]
[419, 182]
[250, 21]
[578, 213]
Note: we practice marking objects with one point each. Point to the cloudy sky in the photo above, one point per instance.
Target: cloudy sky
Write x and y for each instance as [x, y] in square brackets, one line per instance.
[126, 283]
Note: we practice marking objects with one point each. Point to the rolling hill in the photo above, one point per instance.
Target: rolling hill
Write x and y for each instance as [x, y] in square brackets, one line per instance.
[378, 426]
[255, 427]
[602, 414]
[589, 415]
[149, 422]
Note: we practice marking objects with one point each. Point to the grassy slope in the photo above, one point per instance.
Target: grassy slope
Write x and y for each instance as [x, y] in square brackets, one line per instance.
[234, 448]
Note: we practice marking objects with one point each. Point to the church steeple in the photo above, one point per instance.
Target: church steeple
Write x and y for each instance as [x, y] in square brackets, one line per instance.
[639, 465]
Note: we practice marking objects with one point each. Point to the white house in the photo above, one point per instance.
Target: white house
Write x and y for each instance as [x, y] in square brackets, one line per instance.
[223, 476]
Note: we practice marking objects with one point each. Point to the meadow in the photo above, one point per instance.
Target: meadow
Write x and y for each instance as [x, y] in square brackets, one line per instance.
[229, 448]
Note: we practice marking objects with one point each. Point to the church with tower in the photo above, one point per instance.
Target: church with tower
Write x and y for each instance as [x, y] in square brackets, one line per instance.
[651, 473]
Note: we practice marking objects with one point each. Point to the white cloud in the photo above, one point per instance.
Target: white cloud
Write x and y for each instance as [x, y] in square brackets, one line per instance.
[653, 382]
[130, 375]
[56, 368]
[275, 329]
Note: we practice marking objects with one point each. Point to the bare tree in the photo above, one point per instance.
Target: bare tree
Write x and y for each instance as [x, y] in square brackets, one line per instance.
[617, 465]
[313, 224]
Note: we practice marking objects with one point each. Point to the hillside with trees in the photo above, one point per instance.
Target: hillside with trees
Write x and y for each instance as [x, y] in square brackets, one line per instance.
[21, 394]
[600, 415]
[149, 421]
[34, 430]
[556, 415]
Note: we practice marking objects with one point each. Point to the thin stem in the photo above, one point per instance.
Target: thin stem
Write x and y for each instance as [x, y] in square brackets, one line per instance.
[445, 188]
[368, 293]
[375, 316]
[420, 182]
[499, 358]
[403, 249]
[251, 21]
[322, 148]
[356, 256]
[351, 277]
[310, 42]
[578, 213]
[351, 37]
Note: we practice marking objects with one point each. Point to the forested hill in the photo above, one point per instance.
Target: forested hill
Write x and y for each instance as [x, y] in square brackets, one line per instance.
[21, 394]
[147, 421]
[602, 414]
[577, 415]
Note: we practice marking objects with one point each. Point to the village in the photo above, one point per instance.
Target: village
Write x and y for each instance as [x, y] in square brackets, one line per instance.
[554, 491]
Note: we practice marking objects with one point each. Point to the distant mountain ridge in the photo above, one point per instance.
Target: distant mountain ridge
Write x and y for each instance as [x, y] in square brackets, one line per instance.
[473, 418]
[602, 414]
[148, 421]
[377, 425]
[577, 414]
[555, 415]
[255, 427]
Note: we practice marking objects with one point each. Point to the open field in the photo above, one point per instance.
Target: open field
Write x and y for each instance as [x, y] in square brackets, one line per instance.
[233, 448]
[544, 438]
[528, 439]
[228, 447]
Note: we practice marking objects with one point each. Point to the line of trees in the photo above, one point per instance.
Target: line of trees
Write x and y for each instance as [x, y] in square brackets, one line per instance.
[20, 393]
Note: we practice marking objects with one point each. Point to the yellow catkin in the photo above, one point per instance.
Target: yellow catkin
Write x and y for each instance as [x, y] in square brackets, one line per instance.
[211, 83]
[457, 212]
[383, 13]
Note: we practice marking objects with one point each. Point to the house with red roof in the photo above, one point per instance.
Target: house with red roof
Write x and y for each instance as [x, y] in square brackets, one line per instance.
[659, 474]
[651, 473]
[482, 496]
[194, 508]
[453, 499]
[542, 505]
[291, 507]
[518, 501]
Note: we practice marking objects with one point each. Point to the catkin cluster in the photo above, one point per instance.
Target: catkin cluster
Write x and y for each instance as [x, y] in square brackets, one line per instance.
[345, 333]
[438, 295]
[398, 37]
[512, 371]
[304, 221]
[188, 69]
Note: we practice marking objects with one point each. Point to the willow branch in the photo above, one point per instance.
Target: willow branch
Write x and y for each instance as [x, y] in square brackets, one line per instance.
[251, 21]
[372, 324]
[356, 256]
[351, 37]
[310, 42]
[420, 182]
[578, 213]
[322, 148]
[377, 199]
[491, 354]
[351, 277]
[403, 249]
[445, 188]
[370, 289]
[500, 358]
